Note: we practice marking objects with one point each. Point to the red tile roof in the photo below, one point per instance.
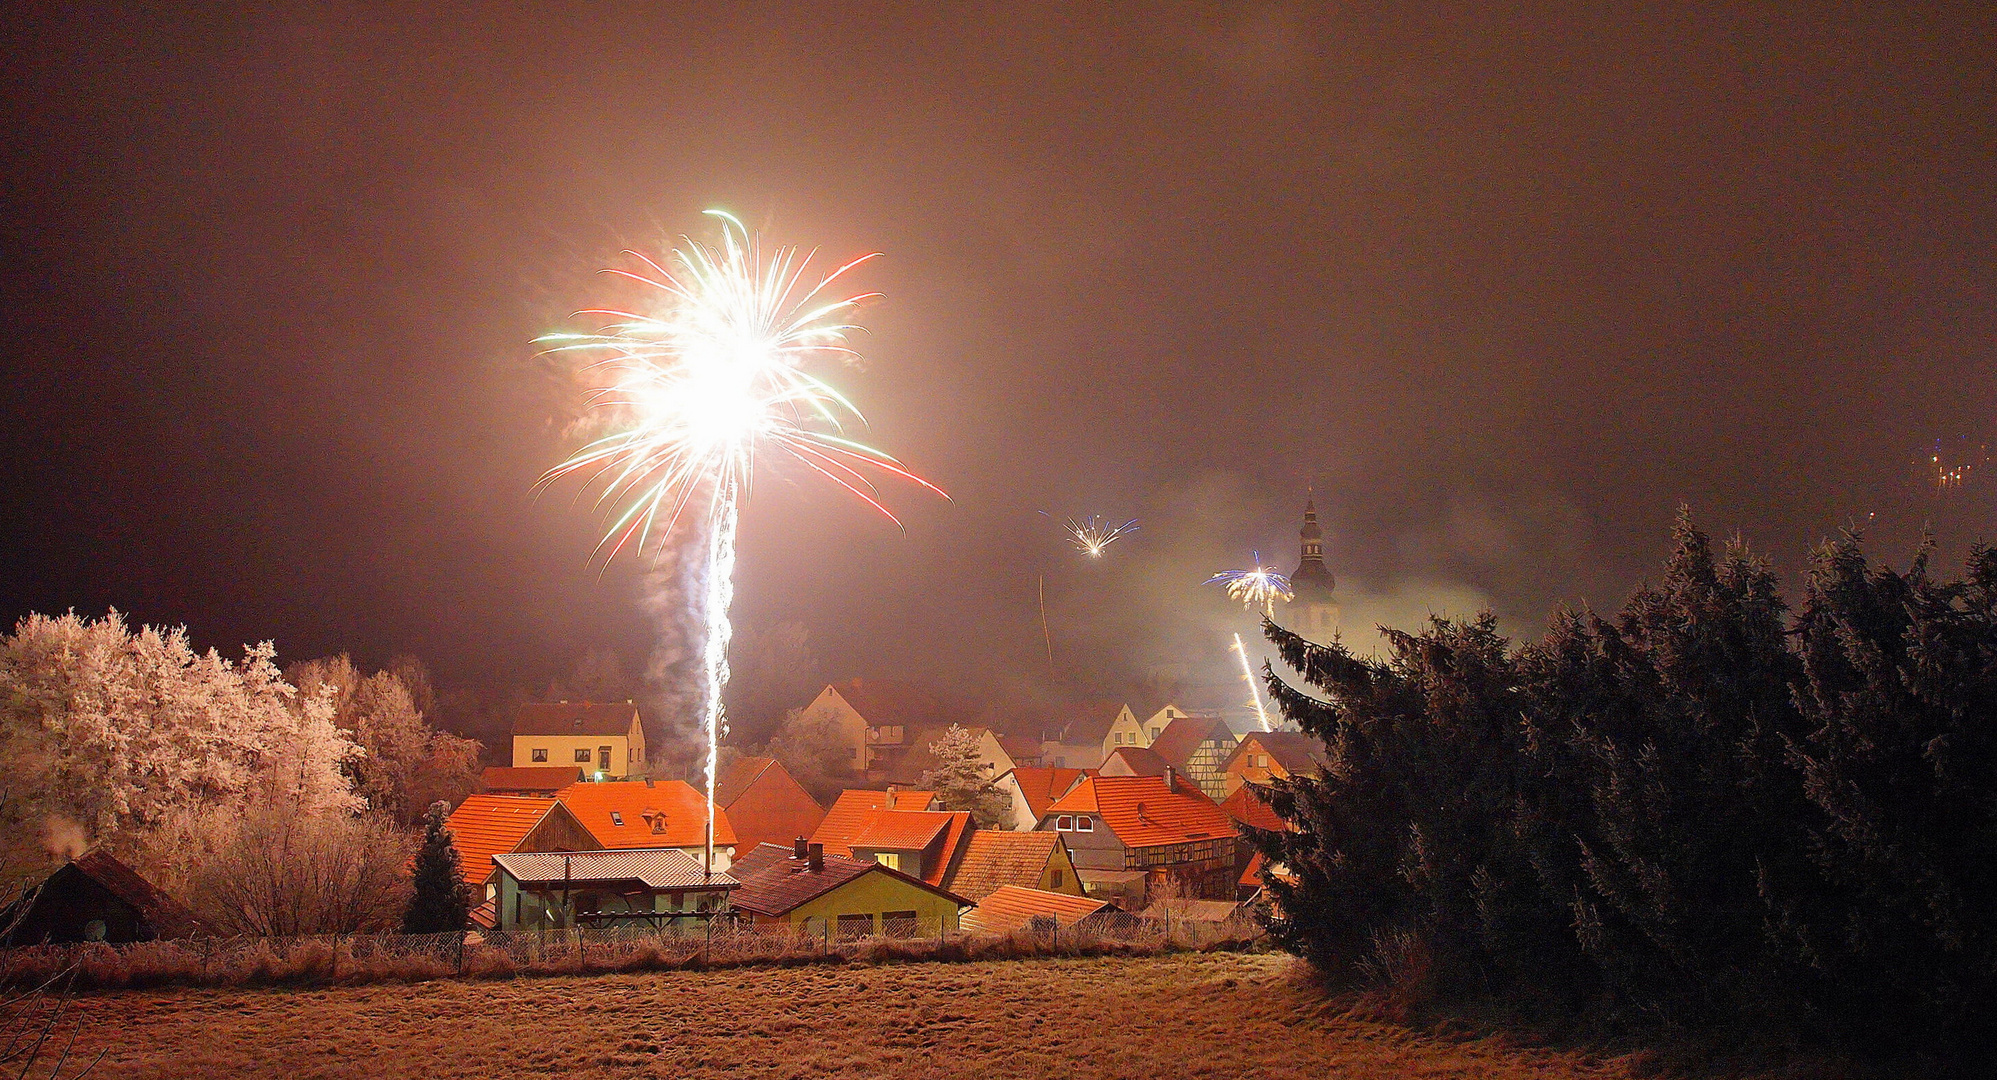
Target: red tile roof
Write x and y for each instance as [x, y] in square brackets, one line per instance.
[1041, 786]
[1182, 736]
[1092, 724]
[774, 883]
[900, 830]
[1244, 807]
[1010, 907]
[486, 825]
[518, 779]
[850, 812]
[575, 718]
[1133, 761]
[995, 858]
[655, 813]
[888, 702]
[1252, 876]
[1143, 813]
[1020, 748]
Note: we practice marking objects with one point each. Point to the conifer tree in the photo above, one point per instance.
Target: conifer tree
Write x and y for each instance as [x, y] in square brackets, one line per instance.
[963, 782]
[441, 903]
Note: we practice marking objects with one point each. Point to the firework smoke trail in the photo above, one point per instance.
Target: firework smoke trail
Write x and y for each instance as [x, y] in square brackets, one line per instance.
[1262, 586]
[1248, 676]
[698, 387]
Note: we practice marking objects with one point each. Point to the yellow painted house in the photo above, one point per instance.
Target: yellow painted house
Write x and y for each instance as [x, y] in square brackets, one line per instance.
[837, 897]
[604, 738]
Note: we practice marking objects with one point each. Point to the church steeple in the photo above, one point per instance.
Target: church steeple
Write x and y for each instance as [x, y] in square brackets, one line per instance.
[1311, 569]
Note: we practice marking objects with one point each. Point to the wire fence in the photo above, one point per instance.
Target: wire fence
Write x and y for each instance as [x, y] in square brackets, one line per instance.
[359, 958]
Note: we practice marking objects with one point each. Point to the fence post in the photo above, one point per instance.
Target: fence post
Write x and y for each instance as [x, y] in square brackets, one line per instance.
[461, 951]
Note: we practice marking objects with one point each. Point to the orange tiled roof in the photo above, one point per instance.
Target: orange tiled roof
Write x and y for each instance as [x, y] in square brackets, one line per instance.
[1252, 876]
[1010, 907]
[886, 701]
[1244, 807]
[765, 804]
[486, 825]
[501, 779]
[736, 778]
[1143, 813]
[1041, 786]
[1133, 761]
[900, 830]
[850, 812]
[995, 858]
[655, 813]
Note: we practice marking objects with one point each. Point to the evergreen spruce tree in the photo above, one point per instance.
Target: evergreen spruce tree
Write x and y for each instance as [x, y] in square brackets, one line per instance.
[441, 903]
[962, 782]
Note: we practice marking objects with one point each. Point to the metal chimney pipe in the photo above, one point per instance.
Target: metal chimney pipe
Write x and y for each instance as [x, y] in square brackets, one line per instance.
[798, 847]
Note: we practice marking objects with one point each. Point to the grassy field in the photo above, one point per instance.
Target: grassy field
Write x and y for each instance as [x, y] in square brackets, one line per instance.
[1184, 1015]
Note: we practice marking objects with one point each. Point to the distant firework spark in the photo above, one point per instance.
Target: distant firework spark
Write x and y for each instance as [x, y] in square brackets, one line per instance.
[1949, 470]
[1260, 587]
[707, 377]
[1092, 536]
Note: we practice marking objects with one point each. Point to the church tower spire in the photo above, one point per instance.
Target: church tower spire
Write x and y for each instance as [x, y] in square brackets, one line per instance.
[1314, 609]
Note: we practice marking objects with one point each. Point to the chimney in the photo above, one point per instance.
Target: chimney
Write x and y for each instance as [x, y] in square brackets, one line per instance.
[816, 854]
[797, 848]
[1170, 776]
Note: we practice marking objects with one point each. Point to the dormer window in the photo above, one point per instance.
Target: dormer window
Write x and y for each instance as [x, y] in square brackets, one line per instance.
[617, 818]
[1064, 823]
[1085, 823]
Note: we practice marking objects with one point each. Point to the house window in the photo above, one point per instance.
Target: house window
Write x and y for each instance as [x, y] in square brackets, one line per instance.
[1154, 734]
[540, 754]
[582, 754]
[889, 859]
[1064, 823]
[1085, 823]
[1056, 880]
[855, 926]
[899, 923]
[603, 757]
[617, 818]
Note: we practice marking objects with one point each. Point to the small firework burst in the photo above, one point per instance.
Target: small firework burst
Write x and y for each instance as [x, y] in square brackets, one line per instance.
[1259, 587]
[1091, 536]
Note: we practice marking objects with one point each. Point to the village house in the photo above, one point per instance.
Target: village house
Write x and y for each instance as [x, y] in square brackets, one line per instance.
[1197, 746]
[1139, 838]
[833, 897]
[484, 826]
[852, 809]
[650, 814]
[1033, 789]
[1262, 756]
[765, 804]
[543, 780]
[1009, 908]
[94, 897]
[1079, 743]
[604, 739]
[660, 888]
[872, 720]
[995, 859]
[923, 844]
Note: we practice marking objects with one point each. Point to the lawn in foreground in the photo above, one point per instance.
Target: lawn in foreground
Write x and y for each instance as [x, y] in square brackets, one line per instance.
[1186, 1015]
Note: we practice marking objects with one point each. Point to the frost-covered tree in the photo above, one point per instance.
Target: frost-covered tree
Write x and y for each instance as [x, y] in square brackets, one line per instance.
[118, 729]
[404, 764]
[441, 901]
[962, 781]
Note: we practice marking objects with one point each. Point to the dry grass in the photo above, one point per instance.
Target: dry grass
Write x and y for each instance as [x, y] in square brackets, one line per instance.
[1184, 1015]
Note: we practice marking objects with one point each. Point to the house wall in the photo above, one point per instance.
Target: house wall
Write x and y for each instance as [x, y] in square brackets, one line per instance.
[625, 758]
[1127, 730]
[1071, 755]
[845, 721]
[1098, 849]
[1059, 874]
[1204, 766]
[68, 903]
[558, 830]
[1023, 819]
[873, 893]
[1243, 767]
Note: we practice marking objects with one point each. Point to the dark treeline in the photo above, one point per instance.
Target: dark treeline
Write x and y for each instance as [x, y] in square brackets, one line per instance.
[1705, 807]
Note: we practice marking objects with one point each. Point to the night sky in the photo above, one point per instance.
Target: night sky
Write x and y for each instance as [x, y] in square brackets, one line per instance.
[1504, 290]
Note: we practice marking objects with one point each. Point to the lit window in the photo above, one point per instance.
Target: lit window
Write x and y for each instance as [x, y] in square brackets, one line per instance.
[889, 859]
[541, 754]
[617, 819]
[1085, 823]
[1064, 823]
[582, 754]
